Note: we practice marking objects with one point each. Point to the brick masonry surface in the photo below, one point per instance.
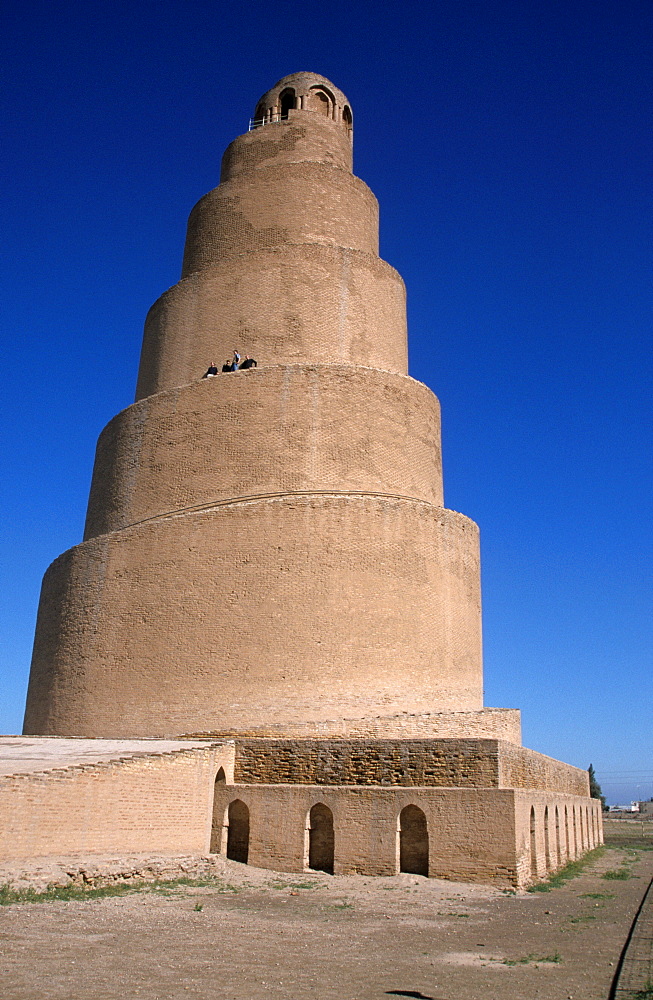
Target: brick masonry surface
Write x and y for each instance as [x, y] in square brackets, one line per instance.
[350, 430]
[502, 836]
[452, 763]
[487, 723]
[146, 802]
[260, 612]
[309, 304]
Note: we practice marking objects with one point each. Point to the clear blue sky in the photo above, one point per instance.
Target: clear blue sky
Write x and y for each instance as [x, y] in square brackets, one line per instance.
[509, 144]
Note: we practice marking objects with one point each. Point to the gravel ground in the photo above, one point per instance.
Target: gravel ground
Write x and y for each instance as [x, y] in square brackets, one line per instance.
[252, 934]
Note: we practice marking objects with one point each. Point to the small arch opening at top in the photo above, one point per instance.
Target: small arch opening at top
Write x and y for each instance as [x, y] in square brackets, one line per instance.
[287, 102]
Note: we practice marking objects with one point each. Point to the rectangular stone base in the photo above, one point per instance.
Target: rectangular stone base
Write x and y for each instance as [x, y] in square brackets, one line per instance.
[476, 810]
[505, 837]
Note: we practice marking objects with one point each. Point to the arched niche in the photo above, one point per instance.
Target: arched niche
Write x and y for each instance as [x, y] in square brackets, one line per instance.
[347, 118]
[321, 838]
[413, 841]
[238, 831]
[321, 101]
[533, 843]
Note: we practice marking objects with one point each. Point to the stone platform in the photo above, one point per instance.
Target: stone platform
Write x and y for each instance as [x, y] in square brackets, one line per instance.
[475, 810]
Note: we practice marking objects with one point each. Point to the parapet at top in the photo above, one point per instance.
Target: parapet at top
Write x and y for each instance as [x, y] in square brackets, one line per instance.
[303, 92]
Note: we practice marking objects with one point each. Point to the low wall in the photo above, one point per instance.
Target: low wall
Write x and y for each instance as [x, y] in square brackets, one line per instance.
[487, 723]
[520, 767]
[474, 835]
[159, 803]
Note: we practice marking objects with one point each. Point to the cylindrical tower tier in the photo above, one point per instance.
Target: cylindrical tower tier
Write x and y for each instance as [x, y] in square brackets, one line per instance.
[302, 138]
[282, 430]
[258, 613]
[284, 305]
[272, 206]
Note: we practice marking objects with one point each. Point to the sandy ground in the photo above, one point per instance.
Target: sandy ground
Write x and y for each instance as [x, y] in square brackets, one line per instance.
[256, 934]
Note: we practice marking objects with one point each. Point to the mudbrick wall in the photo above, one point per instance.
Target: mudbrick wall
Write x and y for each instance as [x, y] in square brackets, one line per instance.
[308, 303]
[487, 723]
[524, 768]
[349, 429]
[461, 763]
[498, 836]
[154, 803]
[290, 609]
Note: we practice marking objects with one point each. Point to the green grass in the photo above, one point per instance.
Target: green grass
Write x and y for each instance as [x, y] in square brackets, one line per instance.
[54, 893]
[67, 893]
[617, 874]
[597, 895]
[571, 870]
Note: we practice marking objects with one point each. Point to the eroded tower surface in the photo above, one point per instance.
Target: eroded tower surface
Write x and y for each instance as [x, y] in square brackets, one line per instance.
[267, 557]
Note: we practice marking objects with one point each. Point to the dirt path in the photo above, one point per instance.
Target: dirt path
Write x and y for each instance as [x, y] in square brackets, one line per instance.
[255, 934]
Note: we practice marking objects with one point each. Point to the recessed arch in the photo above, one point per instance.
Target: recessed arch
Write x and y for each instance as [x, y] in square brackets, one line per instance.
[319, 100]
[558, 845]
[321, 839]
[218, 844]
[533, 843]
[287, 102]
[547, 841]
[413, 841]
[347, 118]
[238, 832]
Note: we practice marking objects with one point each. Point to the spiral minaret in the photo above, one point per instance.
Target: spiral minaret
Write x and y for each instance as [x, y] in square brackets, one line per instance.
[268, 549]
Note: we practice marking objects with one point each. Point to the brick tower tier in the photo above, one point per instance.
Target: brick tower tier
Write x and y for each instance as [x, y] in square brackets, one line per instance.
[266, 551]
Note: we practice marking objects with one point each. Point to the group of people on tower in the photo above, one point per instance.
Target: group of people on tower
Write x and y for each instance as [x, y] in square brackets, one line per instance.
[230, 365]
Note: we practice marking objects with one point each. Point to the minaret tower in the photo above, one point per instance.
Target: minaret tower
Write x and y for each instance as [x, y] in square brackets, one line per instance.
[267, 551]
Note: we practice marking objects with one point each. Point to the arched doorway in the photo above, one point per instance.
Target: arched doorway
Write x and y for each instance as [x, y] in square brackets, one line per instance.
[413, 841]
[547, 842]
[321, 839]
[238, 833]
[286, 103]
